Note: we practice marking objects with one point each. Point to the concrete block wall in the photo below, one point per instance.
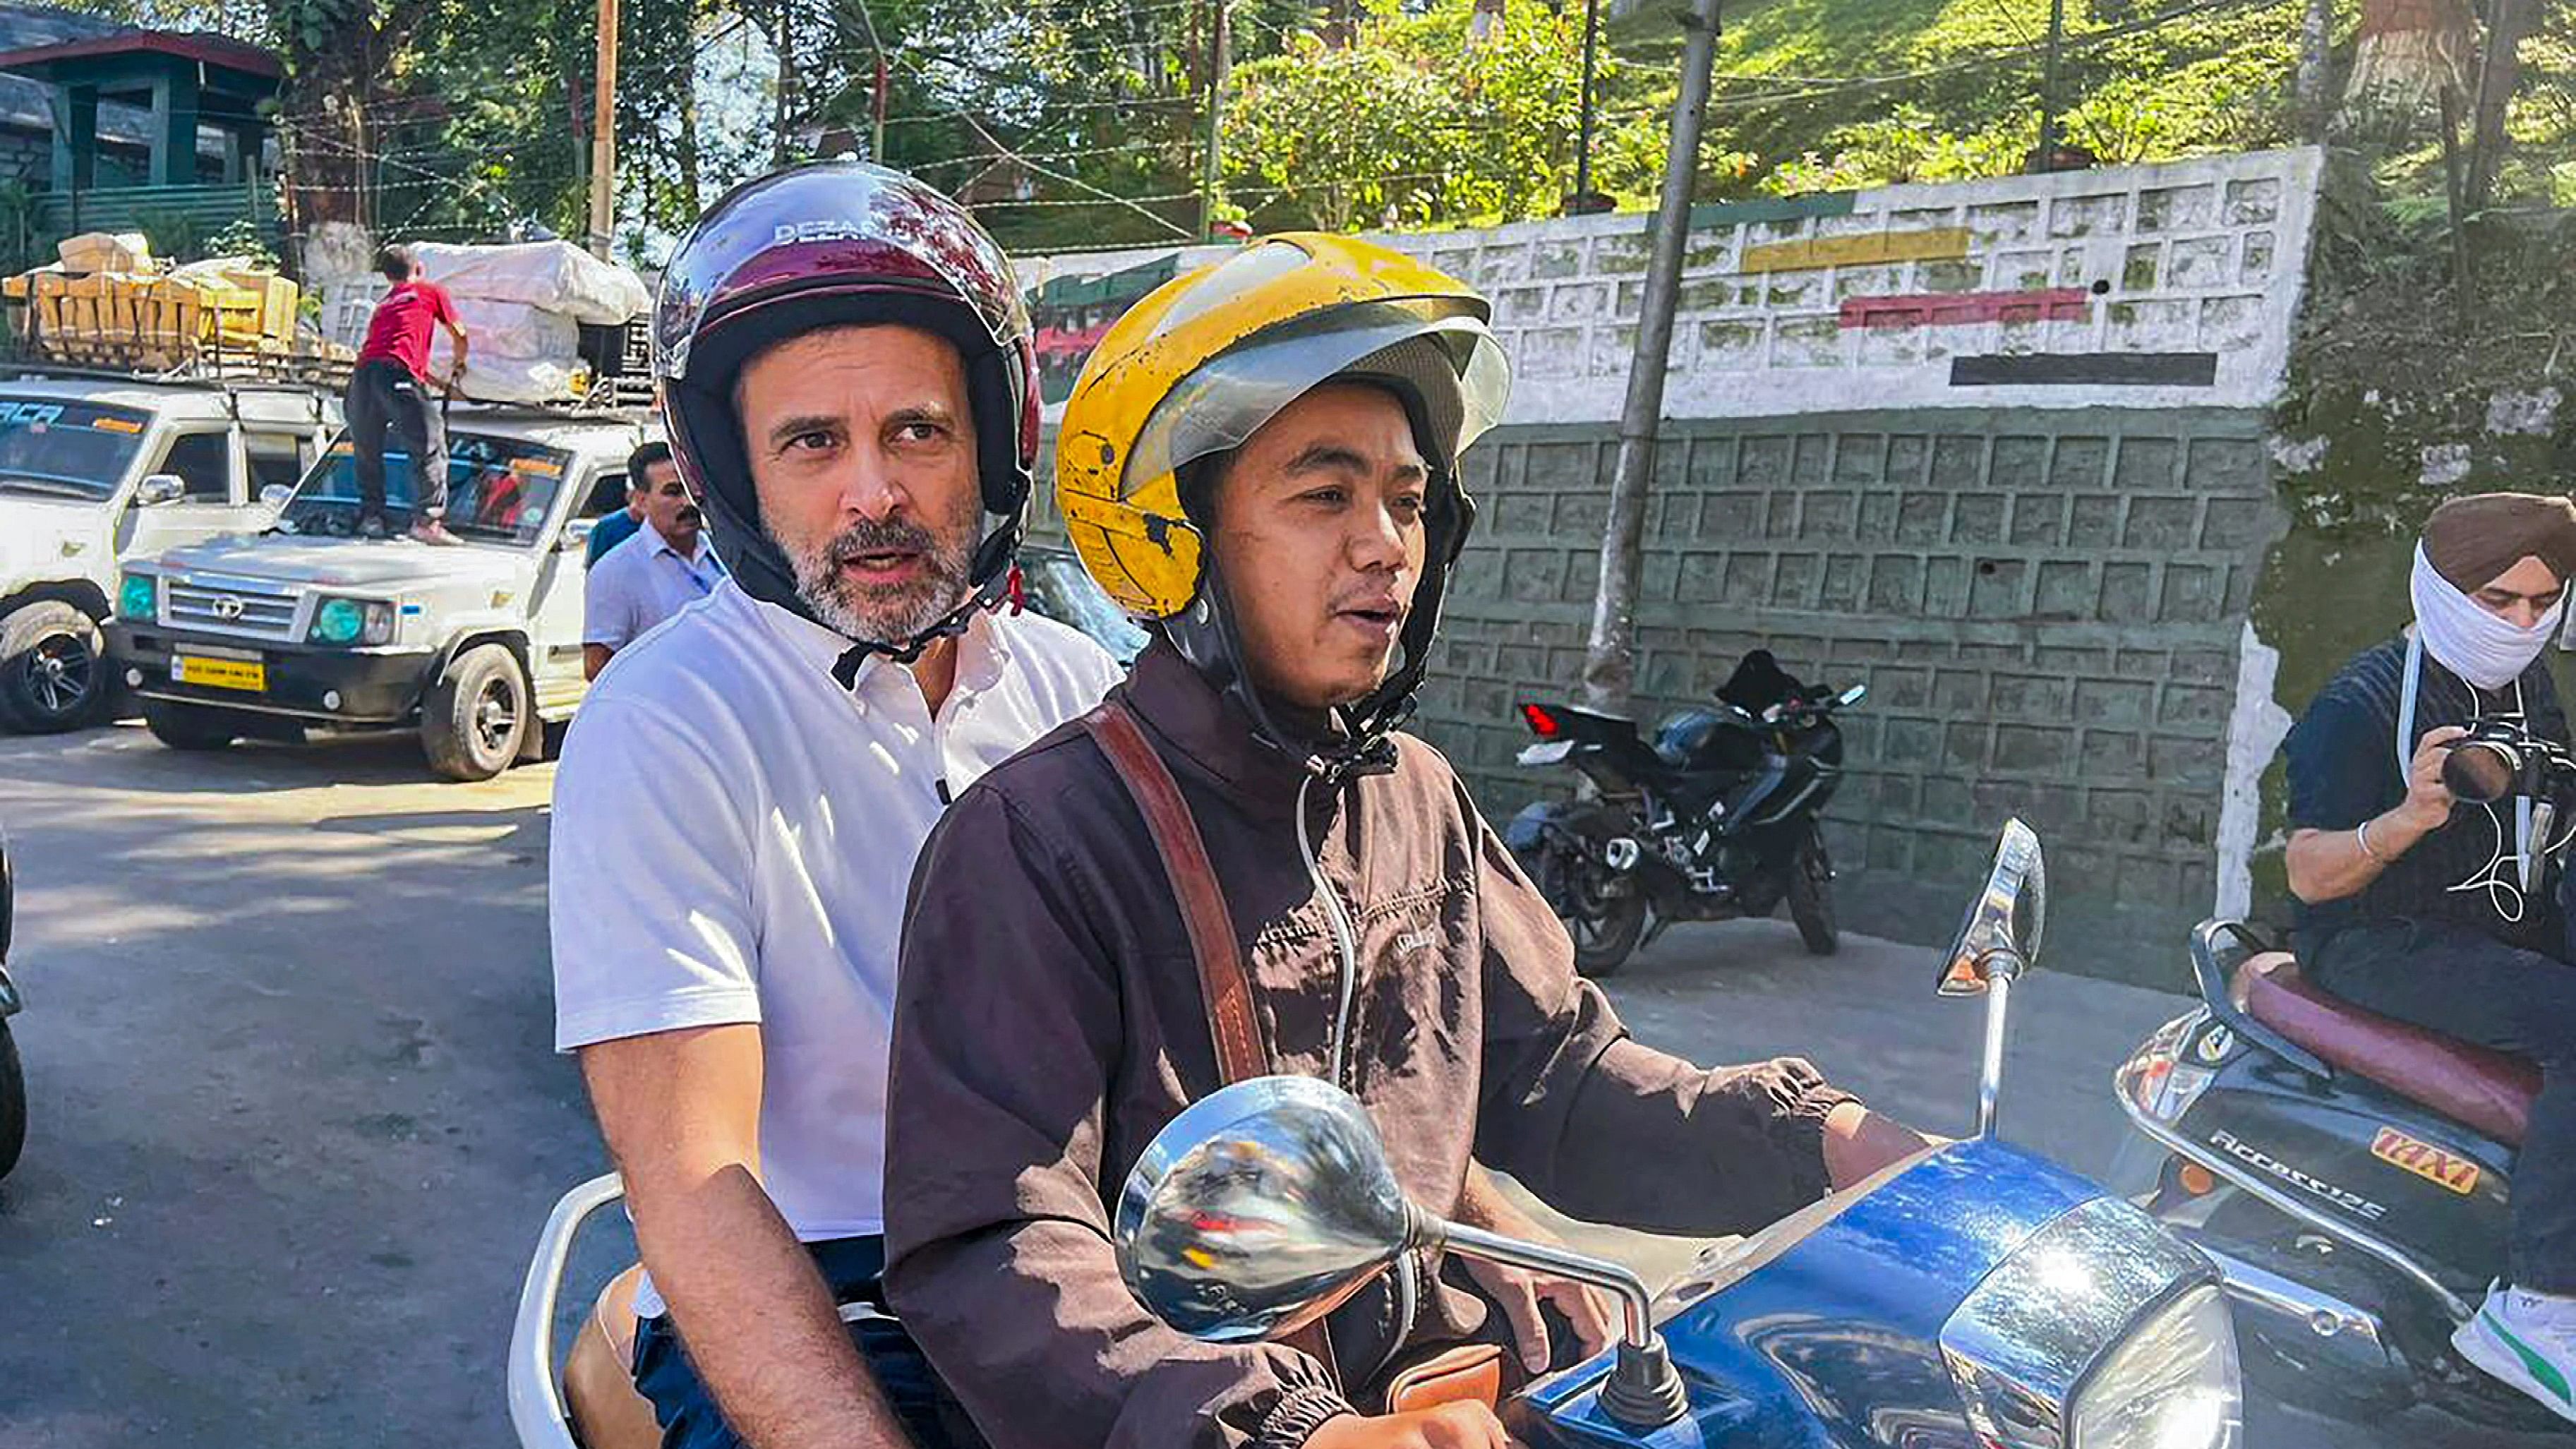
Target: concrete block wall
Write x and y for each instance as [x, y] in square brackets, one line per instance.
[2046, 606]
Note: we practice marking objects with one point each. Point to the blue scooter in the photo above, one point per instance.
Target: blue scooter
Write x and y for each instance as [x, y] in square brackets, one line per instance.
[1973, 1296]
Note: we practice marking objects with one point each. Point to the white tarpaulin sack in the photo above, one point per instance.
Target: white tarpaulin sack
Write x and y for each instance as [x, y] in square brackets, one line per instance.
[555, 275]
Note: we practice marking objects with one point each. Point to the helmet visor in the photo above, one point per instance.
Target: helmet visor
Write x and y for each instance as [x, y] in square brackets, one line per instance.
[1431, 345]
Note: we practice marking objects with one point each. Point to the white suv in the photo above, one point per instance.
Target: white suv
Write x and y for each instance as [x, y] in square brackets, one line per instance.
[477, 646]
[96, 469]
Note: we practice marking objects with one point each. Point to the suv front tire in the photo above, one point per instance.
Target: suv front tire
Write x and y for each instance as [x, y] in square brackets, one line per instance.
[477, 715]
[53, 669]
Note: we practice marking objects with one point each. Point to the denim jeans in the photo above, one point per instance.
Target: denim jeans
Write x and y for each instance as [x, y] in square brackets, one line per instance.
[687, 1411]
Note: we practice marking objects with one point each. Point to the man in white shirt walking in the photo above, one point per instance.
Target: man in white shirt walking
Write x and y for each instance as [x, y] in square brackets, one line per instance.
[663, 569]
[851, 395]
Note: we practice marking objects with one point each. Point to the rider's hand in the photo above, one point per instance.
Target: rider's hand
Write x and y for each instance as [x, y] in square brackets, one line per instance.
[1451, 1426]
[1520, 1292]
[1859, 1142]
[2428, 800]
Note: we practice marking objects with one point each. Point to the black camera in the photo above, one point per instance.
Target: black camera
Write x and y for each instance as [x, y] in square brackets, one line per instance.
[2502, 758]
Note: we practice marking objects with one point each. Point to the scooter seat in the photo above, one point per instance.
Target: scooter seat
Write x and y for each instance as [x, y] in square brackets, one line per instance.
[2485, 1089]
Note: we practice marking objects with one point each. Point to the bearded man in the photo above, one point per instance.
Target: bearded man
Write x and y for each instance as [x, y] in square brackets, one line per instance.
[849, 387]
[2412, 903]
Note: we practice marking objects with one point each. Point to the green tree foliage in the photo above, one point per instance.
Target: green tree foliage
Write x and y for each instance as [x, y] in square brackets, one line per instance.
[1414, 123]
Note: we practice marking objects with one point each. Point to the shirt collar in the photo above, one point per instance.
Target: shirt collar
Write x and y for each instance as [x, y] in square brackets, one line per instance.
[662, 545]
[983, 651]
[1212, 733]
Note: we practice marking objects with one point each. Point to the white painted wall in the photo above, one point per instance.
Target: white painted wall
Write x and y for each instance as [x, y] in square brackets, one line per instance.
[2201, 255]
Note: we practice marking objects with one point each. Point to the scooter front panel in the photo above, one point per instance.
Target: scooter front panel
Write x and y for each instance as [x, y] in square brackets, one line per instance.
[1829, 1333]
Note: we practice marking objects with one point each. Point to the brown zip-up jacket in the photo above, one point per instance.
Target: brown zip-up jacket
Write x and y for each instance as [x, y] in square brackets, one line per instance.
[1048, 1022]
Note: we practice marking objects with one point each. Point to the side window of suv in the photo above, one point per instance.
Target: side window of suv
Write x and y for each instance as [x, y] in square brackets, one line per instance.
[607, 495]
[274, 458]
[203, 461]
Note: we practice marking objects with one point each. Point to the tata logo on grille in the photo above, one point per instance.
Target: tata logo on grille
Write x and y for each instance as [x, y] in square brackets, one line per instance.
[2425, 1160]
[226, 606]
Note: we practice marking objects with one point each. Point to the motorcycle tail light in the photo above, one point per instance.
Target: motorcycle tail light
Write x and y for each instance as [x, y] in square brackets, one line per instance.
[1541, 723]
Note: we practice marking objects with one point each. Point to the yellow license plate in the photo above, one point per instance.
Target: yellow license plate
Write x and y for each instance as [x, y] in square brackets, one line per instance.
[248, 674]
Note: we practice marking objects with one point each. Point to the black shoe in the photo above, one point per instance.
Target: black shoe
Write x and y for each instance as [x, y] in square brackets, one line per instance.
[372, 525]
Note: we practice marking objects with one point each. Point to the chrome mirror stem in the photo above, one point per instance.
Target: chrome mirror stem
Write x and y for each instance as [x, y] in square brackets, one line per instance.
[1990, 1075]
[1643, 1391]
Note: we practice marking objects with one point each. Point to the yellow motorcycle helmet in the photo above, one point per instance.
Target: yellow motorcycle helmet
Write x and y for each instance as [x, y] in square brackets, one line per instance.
[1195, 369]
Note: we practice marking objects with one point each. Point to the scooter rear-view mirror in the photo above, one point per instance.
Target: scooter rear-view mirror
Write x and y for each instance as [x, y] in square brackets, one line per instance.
[1267, 1203]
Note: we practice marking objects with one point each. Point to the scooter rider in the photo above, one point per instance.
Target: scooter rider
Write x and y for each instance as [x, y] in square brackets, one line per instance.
[2411, 905]
[1261, 460]
[849, 389]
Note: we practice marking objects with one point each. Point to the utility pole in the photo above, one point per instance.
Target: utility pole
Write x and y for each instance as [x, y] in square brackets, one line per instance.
[603, 136]
[1220, 60]
[1609, 664]
[2048, 87]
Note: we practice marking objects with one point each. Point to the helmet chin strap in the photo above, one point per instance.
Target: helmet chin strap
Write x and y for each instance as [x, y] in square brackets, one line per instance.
[1358, 742]
[996, 587]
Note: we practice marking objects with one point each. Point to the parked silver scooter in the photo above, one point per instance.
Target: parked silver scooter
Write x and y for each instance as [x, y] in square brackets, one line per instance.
[13, 1079]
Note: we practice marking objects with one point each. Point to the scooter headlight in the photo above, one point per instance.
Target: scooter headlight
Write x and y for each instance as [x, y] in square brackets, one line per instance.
[2172, 1385]
[2102, 1331]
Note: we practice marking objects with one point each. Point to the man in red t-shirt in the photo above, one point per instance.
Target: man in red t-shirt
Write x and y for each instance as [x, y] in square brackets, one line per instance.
[390, 391]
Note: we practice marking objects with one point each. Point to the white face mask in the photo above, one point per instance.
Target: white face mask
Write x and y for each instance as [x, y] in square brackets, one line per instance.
[2469, 640]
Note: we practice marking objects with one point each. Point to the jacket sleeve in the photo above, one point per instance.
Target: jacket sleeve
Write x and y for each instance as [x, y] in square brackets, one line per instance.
[1575, 1109]
[1007, 1029]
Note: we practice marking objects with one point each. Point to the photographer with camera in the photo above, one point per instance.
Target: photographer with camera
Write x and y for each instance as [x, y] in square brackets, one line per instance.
[2416, 904]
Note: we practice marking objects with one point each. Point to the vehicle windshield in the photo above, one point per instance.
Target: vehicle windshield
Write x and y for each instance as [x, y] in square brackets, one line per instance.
[54, 449]
[499, 490]
[1059, 589]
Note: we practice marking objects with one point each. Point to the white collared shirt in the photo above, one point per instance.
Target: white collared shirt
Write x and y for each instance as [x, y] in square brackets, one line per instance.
[642, 582]
[734, 836]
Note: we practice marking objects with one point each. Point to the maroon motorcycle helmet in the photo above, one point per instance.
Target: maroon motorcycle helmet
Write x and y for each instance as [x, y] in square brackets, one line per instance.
[838, 244]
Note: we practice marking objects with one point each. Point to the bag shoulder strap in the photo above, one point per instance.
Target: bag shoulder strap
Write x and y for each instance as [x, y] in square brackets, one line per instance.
[1223, 983]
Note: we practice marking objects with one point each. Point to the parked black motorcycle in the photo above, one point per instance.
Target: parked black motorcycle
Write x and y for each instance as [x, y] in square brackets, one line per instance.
[1716, 819]
[13, 1082]
[2349, 1174]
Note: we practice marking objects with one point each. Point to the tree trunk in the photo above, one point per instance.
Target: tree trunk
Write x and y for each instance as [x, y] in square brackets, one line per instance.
[324, 142]
[687, 145]
[784, 42]
[331, 90]
[2316, 41]
[577, 100]
[2499, 74]
[2409, 52]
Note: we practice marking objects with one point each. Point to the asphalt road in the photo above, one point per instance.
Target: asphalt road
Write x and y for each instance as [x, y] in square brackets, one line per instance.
[296, 1119]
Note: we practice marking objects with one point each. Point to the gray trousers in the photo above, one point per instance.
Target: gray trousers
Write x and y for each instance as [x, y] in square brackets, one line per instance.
[2472, 986]
[385, 398]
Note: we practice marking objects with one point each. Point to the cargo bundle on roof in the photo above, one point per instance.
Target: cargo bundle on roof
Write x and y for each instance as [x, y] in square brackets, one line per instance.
[547, 321]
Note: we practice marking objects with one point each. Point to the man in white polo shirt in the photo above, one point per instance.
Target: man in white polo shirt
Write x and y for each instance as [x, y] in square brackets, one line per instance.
[665, 567]
[850, 392]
